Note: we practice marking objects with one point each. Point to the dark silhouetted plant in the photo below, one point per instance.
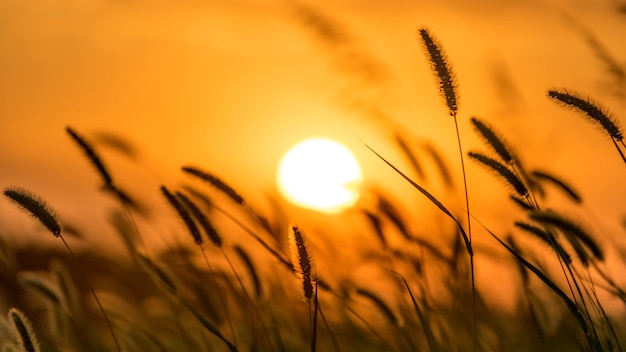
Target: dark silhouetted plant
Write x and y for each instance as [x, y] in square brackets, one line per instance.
[36, 207]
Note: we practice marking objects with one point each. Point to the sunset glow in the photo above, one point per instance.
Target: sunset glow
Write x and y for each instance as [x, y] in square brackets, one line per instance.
[384, 176]
[320, 174]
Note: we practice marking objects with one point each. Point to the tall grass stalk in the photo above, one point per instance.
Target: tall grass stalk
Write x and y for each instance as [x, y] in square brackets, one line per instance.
[513, 173]
[301, 257]
[216, 239]
[428, 333]
[406, 311]
[586, 325]
[37, 208]
[448, 88]
[109, 184]
[595, 113]
[199, 241]
[249, 231]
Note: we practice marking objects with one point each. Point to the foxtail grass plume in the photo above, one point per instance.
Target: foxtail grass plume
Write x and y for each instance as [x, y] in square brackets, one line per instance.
[215, 182]
[589, 108]
[301, 259]
[442, 69]
[23, 331]
[572, 232]
[500, 169]
[35, 207]
[202, 219]
[93, 157]
[493, 140]
[184, 214]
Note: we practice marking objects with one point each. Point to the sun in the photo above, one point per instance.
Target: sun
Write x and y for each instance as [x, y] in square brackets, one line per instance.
[320, 174]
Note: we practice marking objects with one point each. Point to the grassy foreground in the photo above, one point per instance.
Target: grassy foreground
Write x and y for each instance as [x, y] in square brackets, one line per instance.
[278, 290]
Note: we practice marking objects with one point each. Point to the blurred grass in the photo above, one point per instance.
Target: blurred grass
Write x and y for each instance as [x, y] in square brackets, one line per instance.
[393, 288]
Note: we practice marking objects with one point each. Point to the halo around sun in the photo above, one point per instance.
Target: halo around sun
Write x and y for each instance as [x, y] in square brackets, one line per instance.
[320, 174]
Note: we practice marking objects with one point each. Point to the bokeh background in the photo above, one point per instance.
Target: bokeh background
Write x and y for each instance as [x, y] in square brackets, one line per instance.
[229, 86]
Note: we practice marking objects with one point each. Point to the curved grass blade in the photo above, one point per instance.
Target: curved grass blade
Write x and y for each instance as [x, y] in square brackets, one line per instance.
[444, 171]
[430, 337]
[40, 284]
[208, 326]
[379, 303]
[594, 344]
[387, 209]
[247, 261]
[568, 190]
[430, 197]
[521, 202]
[376, 223]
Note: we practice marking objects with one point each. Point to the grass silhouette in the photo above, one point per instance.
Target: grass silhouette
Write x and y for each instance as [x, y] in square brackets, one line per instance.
[420, 291]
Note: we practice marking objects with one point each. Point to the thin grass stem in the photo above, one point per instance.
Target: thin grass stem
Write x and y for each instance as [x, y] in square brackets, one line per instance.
[469, 233]
[314, 323]
[333, 338]
[93, 293]
[220, 296]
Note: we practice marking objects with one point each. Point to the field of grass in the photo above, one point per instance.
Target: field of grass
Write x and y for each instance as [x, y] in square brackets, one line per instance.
[267, 284]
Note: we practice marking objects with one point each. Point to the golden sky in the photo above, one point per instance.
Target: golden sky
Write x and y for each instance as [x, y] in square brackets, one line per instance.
[230, 85]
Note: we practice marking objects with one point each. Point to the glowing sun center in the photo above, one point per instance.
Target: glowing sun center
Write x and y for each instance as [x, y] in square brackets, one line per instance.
[320, 174]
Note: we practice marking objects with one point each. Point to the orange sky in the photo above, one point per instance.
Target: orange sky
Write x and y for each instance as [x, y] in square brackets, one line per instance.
[230, 85]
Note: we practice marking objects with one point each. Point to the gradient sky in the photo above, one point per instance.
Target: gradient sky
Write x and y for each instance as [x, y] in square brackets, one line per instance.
[230, 85]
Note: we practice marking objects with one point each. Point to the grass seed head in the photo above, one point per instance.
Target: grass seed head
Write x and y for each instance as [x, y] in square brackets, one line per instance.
[35, 207]
[202, 219]
[500, 169]
[215, 182]
[302, 261]
[442, 69]
[184, 214]
[23, 331]
[93, 157]
[546, 237]
[573, 232]
[590, 109]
